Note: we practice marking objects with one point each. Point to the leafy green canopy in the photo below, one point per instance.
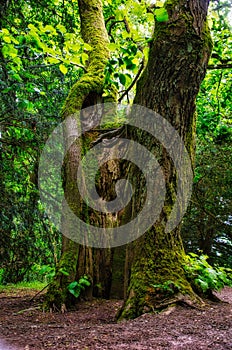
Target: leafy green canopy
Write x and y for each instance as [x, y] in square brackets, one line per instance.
[208, 222]
[41, 56]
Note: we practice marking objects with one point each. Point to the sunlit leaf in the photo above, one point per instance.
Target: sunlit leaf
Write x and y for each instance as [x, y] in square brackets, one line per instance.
[63, 69]
[161, 15]
[7, 39]
[61, 28]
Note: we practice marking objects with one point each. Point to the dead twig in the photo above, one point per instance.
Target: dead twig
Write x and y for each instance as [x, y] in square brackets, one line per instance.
[39, 292]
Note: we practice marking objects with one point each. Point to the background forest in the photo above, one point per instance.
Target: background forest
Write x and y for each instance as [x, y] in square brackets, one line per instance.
[41, 56]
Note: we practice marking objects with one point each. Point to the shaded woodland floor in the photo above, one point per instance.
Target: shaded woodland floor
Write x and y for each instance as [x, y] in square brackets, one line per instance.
[93, 326]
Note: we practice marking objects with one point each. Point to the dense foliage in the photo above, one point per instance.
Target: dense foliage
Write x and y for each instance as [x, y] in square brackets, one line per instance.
[41, 56]
[207, 226]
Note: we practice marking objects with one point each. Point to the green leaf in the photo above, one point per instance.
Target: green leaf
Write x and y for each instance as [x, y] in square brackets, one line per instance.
[75, 289]
[222, 275]
[120, 15]
[61, 28]
[84, 282]
[87, 47]
[84, 57]
[49, 29]
[193, 255]
[161, 15]
[129, 63]
[74, 60]
[159, 3]
[32, 27]
[64, 272]
[72, 285]
[7, 39]
[112, 47]
[17, 77]
[53, 60]
[122, 79]
[5, 31]
[63, 69]
[75, 292]
[9, 50]
[125, 34]
[5, 91]
[203, 284]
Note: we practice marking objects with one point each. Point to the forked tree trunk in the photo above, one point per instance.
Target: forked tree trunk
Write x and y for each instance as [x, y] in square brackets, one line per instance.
[177, 63]
[176, 66]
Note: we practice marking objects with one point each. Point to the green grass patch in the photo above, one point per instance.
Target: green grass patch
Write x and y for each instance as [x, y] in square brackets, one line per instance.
[35, 285]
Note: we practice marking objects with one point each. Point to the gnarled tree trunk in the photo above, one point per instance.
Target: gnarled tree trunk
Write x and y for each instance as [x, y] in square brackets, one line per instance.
[77, 260]
[177, 63]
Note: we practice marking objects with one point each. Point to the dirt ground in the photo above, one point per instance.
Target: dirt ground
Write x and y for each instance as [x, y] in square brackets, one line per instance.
[93, 326]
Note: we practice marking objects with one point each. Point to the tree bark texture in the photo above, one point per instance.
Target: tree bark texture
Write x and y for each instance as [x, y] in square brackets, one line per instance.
[177, 63]
[78, 260]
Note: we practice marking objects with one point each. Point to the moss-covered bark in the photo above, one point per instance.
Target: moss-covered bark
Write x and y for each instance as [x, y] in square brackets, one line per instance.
[169, 85]
[157, 278]
[85, 92]
[93, 33]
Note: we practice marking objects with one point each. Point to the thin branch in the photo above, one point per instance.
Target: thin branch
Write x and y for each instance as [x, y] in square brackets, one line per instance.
[209, 213]
[219, 58]
[32, 58]
[49, 65]
[39, 292]
[109, 19]
[75, 64]
[109, 134]
[42, 66]
[113, 24]
[220, 66]
[133, 82]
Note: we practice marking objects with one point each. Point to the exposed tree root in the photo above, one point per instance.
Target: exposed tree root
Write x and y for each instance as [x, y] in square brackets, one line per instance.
[181, 299]
[151, 304]
[169, 310]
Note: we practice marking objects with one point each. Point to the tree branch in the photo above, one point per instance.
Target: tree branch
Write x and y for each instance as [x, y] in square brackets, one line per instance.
[133, 82]
[219, 66]
[209, 213]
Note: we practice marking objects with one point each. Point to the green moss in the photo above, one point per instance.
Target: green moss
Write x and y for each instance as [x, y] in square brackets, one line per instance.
[94, 33]
[180, 51]
[158, 266]
[83, 93]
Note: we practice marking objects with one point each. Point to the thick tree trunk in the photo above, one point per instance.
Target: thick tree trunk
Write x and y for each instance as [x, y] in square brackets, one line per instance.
[176, 66]
[78, 260]
[102, 274]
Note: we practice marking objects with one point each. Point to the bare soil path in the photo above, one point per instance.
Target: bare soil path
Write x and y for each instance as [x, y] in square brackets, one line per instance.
[92, 326]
